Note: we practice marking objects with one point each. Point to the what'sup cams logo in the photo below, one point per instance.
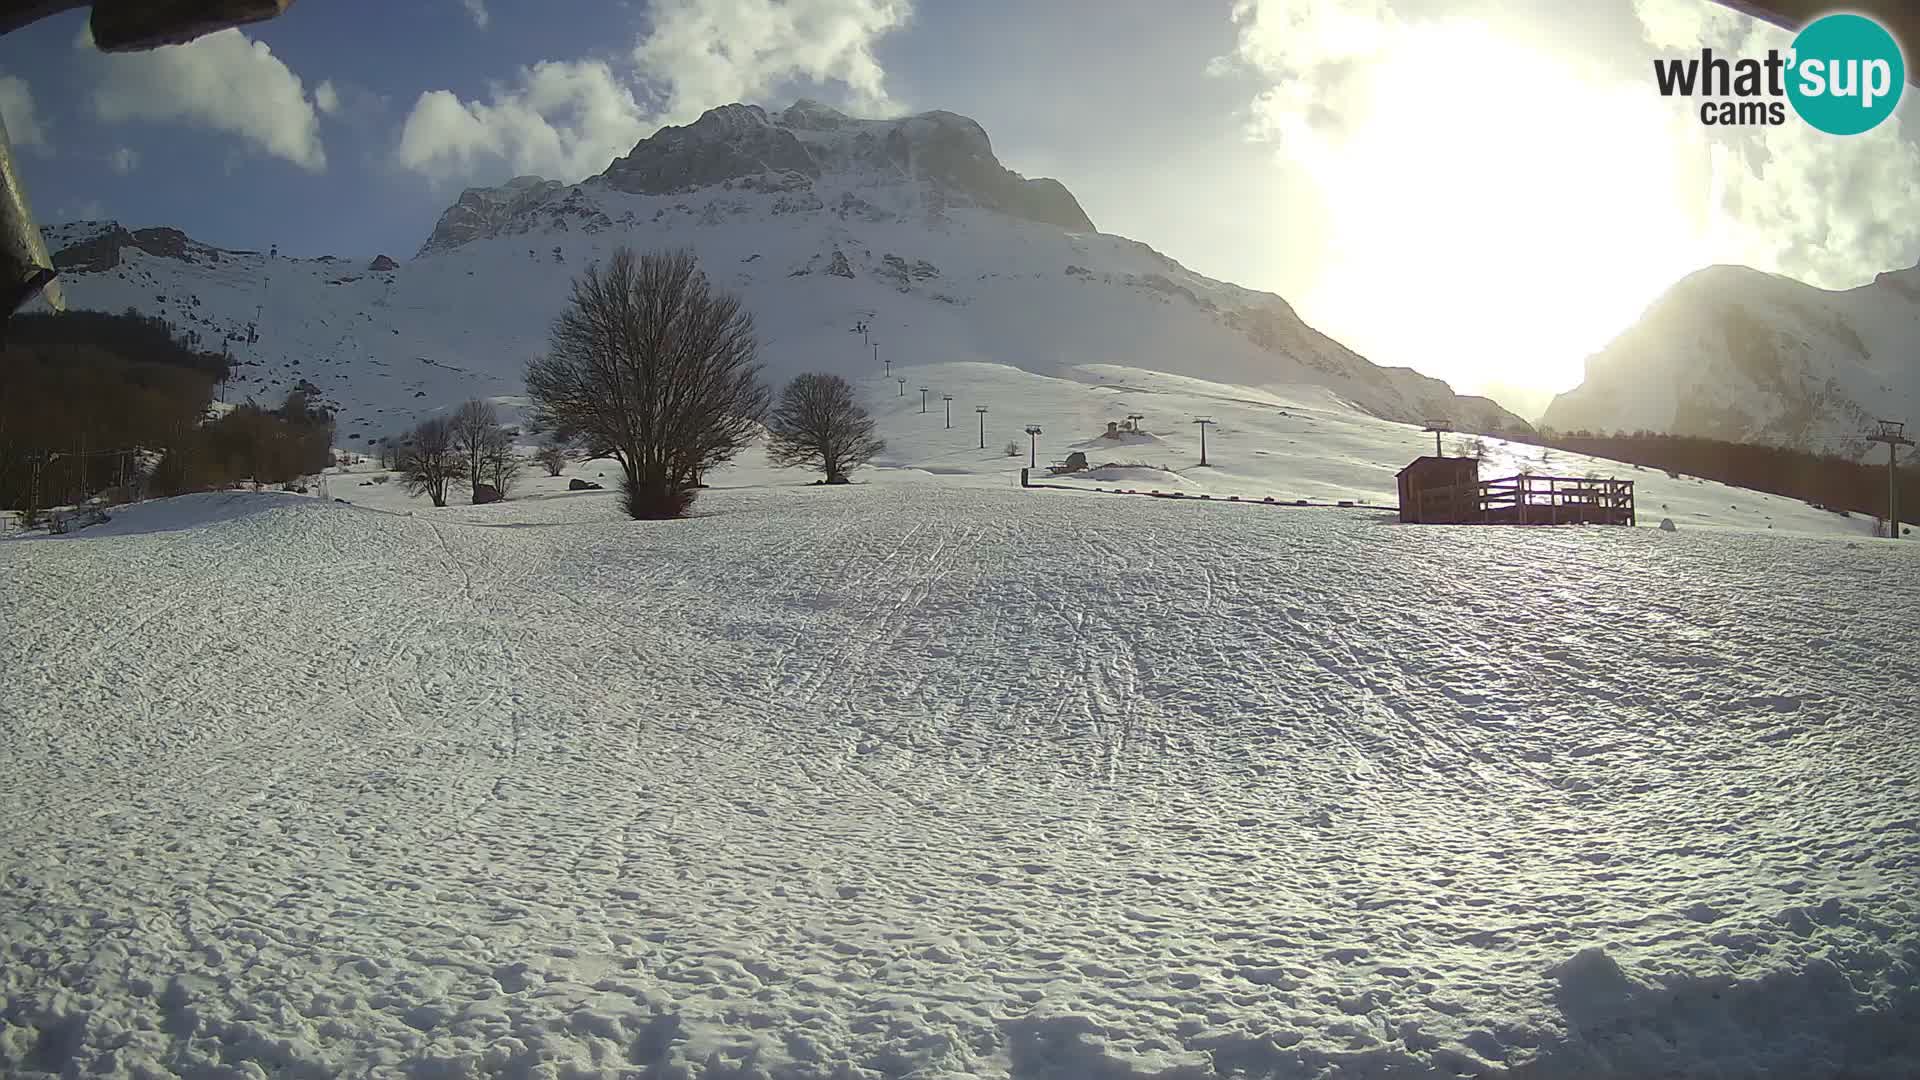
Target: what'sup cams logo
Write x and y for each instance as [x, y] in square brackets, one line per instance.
[1843, 75]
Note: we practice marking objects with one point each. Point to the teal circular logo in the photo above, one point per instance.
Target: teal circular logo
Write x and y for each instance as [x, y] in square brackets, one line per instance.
[1846, 74]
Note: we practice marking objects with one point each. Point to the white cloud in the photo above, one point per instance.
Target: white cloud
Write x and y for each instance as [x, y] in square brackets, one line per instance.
[124, 160]
[1317, 54]
[713, 52]
[562, 119]
[326, 98]
[1689, 24]
[567, 119]
[16, 109]
[225, 81]
[477, 9]
[1829, 210]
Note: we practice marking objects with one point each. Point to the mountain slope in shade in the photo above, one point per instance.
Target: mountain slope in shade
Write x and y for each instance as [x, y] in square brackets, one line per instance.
[1733, 353]
[819, 220]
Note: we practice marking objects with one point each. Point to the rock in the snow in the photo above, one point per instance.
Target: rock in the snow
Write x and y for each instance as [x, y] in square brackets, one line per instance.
[486, 493]
[1667, 525]
[577, 484]
[382, 262]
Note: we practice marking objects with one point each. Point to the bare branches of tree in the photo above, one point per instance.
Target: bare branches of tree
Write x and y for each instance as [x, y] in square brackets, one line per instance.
[552, 457]
[497, 463]
[821, 425]
[429, 459]
[475, 425]
[652, 366]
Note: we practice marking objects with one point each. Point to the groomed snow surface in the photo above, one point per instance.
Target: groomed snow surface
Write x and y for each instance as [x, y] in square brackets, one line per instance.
[934, 777]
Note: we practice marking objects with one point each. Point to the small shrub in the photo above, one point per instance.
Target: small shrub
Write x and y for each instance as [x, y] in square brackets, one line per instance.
[380, 478]
[1013, 449]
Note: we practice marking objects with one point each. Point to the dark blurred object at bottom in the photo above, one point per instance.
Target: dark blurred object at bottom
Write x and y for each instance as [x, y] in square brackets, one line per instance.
[118, 26]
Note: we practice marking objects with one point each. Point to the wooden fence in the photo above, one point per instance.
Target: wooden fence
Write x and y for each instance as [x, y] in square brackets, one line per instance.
[1531, 500]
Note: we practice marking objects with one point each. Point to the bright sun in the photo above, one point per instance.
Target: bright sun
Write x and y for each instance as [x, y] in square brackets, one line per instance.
[1493, 218]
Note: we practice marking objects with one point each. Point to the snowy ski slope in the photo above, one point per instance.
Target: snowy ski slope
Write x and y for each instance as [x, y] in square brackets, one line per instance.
[1292, 443]
[935, 777]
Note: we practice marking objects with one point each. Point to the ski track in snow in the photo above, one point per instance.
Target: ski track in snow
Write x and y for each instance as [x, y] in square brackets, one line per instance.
[909, 780]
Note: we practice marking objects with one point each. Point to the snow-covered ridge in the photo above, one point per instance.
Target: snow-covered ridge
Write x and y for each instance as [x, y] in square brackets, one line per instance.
[910, 227]
[1733, 353]
[946, 157]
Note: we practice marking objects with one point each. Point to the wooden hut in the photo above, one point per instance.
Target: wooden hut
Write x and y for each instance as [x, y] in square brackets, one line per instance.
[1439, 489]
[1449, 491]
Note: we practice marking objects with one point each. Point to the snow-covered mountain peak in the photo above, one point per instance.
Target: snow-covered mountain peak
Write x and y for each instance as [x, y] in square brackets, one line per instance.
[93, 246]
[807, 114]
[1905, 282]
[727, 122]
[1735, 353]
[927, 162]
[484, 211]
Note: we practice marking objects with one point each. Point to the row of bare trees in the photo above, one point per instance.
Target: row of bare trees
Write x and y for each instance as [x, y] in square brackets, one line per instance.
[470, 443]
[651, 366]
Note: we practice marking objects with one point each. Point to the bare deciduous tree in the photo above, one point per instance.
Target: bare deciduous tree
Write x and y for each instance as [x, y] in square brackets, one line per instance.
[652, 366]
[821, 425]
[499, 465]
[475, 425]
[553, 458]
[428, 460]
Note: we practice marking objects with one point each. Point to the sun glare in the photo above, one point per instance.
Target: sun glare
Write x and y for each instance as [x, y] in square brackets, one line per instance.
[1511, 216]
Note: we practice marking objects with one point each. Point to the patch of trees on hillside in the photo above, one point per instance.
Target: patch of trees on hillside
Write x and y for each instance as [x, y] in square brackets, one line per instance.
[89, 399]
[252, 442]
[1826, 479]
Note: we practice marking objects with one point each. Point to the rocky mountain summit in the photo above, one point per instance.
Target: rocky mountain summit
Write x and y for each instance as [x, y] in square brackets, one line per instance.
[947, 157]
[483, 212]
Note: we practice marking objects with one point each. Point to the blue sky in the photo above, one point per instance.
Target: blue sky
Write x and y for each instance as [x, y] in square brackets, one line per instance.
[221, 189]
[1484, 190]
[380, 57]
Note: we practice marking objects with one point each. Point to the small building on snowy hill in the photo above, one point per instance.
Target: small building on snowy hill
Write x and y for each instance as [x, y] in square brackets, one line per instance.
[1433, 488]
[1449, 491]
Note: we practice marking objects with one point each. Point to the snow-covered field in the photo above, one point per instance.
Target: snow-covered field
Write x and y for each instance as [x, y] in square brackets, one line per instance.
[1289, 444]
[935, 777]
[1299, 442]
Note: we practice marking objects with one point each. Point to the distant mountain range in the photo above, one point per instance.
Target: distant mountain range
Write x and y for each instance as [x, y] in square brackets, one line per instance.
[821, 221]
[1732, 353]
